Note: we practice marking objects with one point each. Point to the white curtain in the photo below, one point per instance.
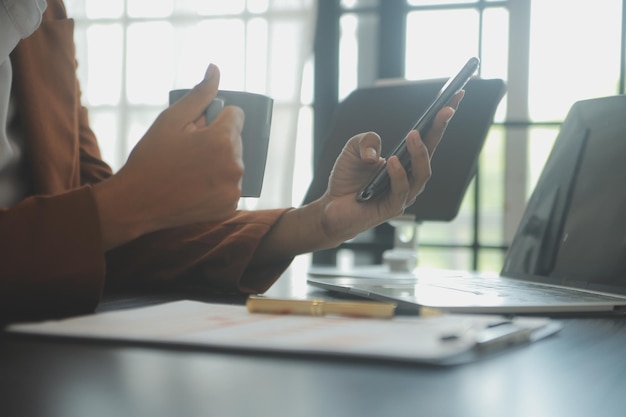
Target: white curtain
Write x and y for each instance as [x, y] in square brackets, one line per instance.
[132, 52]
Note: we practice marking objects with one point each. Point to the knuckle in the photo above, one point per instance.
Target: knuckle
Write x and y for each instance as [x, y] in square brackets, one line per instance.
[231, 197]
[421, 150]
[235, 117]
[236, 171]
[163, 118]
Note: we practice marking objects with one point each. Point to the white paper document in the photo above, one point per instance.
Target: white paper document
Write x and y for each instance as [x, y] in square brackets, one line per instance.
[438, 339]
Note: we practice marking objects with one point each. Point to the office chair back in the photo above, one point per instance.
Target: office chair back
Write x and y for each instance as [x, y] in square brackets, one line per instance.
[391, 110]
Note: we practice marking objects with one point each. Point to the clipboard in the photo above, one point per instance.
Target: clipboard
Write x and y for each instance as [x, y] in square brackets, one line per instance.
[444, 339]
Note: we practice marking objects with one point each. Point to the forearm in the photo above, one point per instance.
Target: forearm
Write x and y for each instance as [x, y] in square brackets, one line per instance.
[121, 216]
[52, 259]
[216, 254]
[299, 230]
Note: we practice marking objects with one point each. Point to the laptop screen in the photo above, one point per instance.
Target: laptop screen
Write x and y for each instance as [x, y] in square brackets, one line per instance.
[573, 231]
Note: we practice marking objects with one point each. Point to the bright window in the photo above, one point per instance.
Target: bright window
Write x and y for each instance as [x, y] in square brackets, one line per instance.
[551, 53]
[132, 52]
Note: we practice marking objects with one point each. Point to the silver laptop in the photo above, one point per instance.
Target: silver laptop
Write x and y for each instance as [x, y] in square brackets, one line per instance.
[569, 252]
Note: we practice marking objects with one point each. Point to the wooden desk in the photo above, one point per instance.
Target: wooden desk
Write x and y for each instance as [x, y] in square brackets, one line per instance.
[579, 372]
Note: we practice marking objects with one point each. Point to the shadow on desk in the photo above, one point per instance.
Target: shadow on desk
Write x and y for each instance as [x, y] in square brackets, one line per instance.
[579, 372]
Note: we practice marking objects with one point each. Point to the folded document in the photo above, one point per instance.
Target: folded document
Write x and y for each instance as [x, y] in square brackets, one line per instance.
[444, 339]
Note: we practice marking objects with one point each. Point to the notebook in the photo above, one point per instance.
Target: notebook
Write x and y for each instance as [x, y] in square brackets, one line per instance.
[569, 252]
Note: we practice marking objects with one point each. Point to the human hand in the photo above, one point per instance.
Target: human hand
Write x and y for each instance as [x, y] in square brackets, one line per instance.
[181, 171]
[343, 216]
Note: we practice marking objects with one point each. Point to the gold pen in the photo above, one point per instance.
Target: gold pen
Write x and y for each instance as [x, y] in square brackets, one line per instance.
[368, 309]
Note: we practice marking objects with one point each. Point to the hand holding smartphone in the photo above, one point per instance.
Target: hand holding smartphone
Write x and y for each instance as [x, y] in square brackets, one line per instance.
[380, 182]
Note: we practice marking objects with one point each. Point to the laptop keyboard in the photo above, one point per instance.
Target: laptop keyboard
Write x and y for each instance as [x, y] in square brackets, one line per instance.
[512, 290]
[462, 286]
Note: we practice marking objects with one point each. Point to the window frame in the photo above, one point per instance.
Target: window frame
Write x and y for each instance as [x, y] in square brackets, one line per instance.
[391, 63]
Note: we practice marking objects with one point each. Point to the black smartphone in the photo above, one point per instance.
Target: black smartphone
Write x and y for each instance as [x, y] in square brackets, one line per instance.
[380, 182]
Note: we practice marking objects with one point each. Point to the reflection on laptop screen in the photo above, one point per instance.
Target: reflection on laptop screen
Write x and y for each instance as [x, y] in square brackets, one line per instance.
[573, 231]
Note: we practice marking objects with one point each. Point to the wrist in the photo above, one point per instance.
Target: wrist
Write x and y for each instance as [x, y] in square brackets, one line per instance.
[317, 227]
[121, 217]
[299, 230]
[341, 221]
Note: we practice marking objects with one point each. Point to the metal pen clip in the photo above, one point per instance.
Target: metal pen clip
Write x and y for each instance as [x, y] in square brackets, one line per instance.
[502, 335]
